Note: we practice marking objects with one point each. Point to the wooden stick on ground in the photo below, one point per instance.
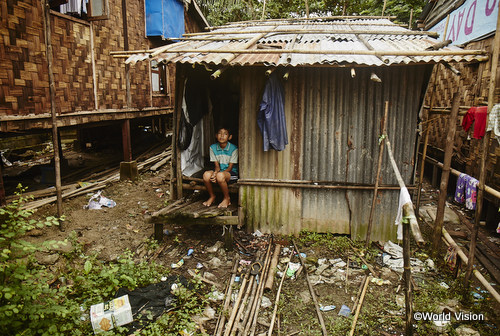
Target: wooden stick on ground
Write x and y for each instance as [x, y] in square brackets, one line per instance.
[272, 269]
[222, 318]
[278, 296]
[254, 313]
[311, 290]
[358, 308]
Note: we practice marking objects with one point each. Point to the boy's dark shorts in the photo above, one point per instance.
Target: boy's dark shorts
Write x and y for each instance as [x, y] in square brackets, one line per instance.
[234, 176]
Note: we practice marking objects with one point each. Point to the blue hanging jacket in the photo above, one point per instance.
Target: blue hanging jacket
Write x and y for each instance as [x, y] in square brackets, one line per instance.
[271, 118]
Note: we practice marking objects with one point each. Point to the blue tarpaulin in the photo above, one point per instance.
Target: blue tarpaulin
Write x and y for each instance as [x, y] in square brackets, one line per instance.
[164, 18]
[271, 118]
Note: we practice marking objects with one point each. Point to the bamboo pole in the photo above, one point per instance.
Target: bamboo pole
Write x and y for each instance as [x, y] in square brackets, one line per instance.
[272, 270]
[408, 53]
[358, 308]
[309, 31]
[450, 140]
[485, 145]
[335, 17]
[407, 211]
[315, 186]
[488, 189]
[450, 242]
[270, 332]
[52, 90]
[311, 290]
[254, 311]
[415, 230]
[377, 175]
[220, 324]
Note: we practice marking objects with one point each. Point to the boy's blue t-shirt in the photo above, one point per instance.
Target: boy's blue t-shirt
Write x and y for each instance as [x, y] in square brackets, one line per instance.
[225, 156]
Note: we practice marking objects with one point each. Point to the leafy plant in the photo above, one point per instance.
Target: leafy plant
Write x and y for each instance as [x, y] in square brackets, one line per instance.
[28, 305]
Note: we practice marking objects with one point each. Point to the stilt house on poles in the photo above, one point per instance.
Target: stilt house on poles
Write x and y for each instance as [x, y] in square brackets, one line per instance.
[471, 25]
[336, 74]
[95, 93]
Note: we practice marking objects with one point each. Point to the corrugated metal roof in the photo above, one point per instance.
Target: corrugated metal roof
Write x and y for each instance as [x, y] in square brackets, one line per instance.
[367, 42]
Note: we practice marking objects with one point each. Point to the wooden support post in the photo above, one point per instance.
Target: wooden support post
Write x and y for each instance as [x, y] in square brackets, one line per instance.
[434, 176]
[377, 176]
[484, 153]
[52, 91]
[3, 201]
[127, 147]
[407, 211]
[445, 174]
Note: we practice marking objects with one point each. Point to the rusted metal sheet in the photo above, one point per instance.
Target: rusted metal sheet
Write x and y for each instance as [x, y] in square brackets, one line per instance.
[334, 125]
[360, 42]
[269, 209]
[341, 130]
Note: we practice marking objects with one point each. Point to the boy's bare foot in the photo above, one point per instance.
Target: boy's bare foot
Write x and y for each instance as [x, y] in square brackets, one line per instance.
[225, 203]
[209, 201]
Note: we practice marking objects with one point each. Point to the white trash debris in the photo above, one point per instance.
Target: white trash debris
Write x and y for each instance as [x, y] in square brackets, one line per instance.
[97, 201]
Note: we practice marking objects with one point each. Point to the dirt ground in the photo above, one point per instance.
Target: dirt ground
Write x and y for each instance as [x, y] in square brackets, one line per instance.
[109, 232]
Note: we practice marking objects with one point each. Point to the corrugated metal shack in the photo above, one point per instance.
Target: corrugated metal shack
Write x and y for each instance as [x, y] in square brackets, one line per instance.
[339, 72]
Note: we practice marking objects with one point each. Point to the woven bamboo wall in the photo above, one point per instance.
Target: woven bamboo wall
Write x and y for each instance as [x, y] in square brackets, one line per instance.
[24, 72]
[474, 85]
[23, 75]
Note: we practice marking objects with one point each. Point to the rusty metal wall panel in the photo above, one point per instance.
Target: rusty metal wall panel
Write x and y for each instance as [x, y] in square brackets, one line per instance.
[269, 209]
[333, 123]
[341, 129]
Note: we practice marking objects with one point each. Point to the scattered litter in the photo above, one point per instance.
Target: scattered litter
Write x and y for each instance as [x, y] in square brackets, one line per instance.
[285, 260]
[97, 201]
[285, 250]
[466, 331]
[292, 268]
[327, 308]
[209, 312]
[335, 261]
[84, 184]
[216, 296]
[321, 268]
[266, 303]
[214, 248]
[189, 252]
[380, 282]
[340, 264]
[185, 332]
[393, 249]
[322, 261]
[245, 262]
[166, 232]
[114, 313]
[477, 296]
[430, 264]
[5, 161]
[178, 264]
[258, 234]
[199, 265]
[215, 263]
[236, 279]
[345, 311]
[303, 255]
[400, 301]
[444, 285]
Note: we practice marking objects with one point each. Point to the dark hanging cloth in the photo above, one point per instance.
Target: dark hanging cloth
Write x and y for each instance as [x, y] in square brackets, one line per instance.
[271, 118]
[196, 97]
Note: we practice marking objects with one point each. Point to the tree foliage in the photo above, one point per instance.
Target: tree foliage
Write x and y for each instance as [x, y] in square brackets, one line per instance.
[223, 11]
